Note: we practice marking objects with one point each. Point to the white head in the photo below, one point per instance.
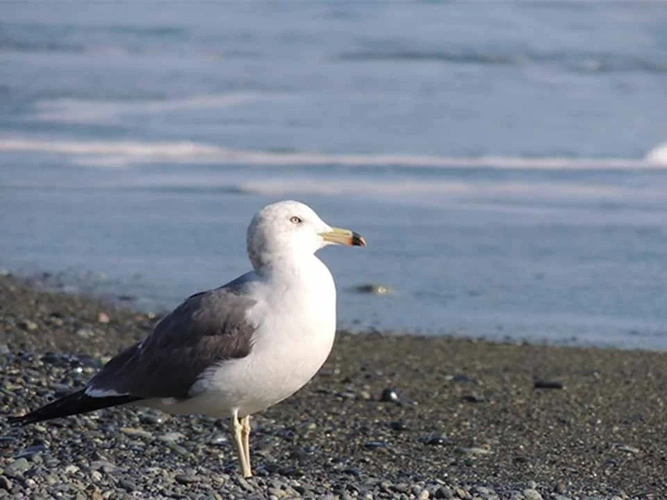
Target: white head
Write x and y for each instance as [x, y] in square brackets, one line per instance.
[288, 228]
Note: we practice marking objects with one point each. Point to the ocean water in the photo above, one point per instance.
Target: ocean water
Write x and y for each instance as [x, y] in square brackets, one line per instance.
[506, 161]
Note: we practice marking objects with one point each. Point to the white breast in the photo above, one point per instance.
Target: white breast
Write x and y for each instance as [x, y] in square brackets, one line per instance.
[296, 324]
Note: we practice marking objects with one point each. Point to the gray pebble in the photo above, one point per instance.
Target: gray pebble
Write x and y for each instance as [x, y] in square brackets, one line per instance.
[29, 325]
[106, 467]
[85, 333]
[127, 485]
[374, 445]
[172, 437]
[444, 492]
[628, 449]
[5, 483]
[245, 484]
[186, 478]
[18, 466]
[473, 451]
[461, 493]
[218, 440]
[531, 494]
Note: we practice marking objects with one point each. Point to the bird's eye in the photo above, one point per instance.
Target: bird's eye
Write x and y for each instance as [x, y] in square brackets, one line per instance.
[296, 220]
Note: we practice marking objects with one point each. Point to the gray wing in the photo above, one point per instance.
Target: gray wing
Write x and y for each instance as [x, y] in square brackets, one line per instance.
[207, 328]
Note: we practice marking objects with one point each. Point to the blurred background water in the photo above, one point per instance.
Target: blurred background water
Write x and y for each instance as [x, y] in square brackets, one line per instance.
[505, 161]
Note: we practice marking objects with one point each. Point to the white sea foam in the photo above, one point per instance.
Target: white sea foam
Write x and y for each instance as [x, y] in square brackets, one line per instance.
[658, 155]
[127, 153]
[105, 112]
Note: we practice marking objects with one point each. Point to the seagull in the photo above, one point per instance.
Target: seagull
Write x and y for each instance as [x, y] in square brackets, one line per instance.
[236, 350]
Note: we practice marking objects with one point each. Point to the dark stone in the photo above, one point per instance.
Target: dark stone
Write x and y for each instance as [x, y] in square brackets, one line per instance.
[351, 471]
[127, 485]
[5, 483]
[186, 478]
[548, 384]
[390, 395]
[473, 397]
[462, 378]
[374, 445]
[290, 472]
[398, 426]
[437, 440]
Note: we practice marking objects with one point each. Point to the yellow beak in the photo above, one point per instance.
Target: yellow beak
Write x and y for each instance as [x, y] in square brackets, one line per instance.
[343, 237]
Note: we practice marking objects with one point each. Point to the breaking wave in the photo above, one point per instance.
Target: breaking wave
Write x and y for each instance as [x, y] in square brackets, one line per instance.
[128, 153]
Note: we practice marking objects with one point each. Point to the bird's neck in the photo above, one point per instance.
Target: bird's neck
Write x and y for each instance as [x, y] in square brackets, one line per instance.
[304, 269]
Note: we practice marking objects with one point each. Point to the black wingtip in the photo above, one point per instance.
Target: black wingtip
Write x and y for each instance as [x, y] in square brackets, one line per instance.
[73, 404]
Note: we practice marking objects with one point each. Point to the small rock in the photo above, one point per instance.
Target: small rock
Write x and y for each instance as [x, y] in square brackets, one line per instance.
[389, 395]
[106, 467]
[18, 466]
[152, 419]
[628, 449]
[71, 469]
[463, 378]
[127, 485]
[103, 318]
[444, 492]
[401, 487]
[5, 483]
[56, 320]
[85, 333]
[374, 445]
[461, 493]
[52, 358]
[245, 485]
[28, 325]
[171, 436]
[374, 289]
[548, 384]
[437, 440]
[473, 451]
[218, 440]
[351, 471]
[276, 492]
[474, 397]
[531, 494]
[186, 478]
[61, 390]
[398, 426]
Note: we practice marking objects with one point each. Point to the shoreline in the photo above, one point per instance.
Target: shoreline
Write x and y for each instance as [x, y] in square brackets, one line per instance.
[472, 417]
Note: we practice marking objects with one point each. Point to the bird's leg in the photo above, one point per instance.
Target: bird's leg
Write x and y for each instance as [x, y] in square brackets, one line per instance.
[245, 434]
[238, 439]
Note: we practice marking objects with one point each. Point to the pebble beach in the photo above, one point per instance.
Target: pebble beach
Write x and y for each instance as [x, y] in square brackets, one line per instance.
[389, 416]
